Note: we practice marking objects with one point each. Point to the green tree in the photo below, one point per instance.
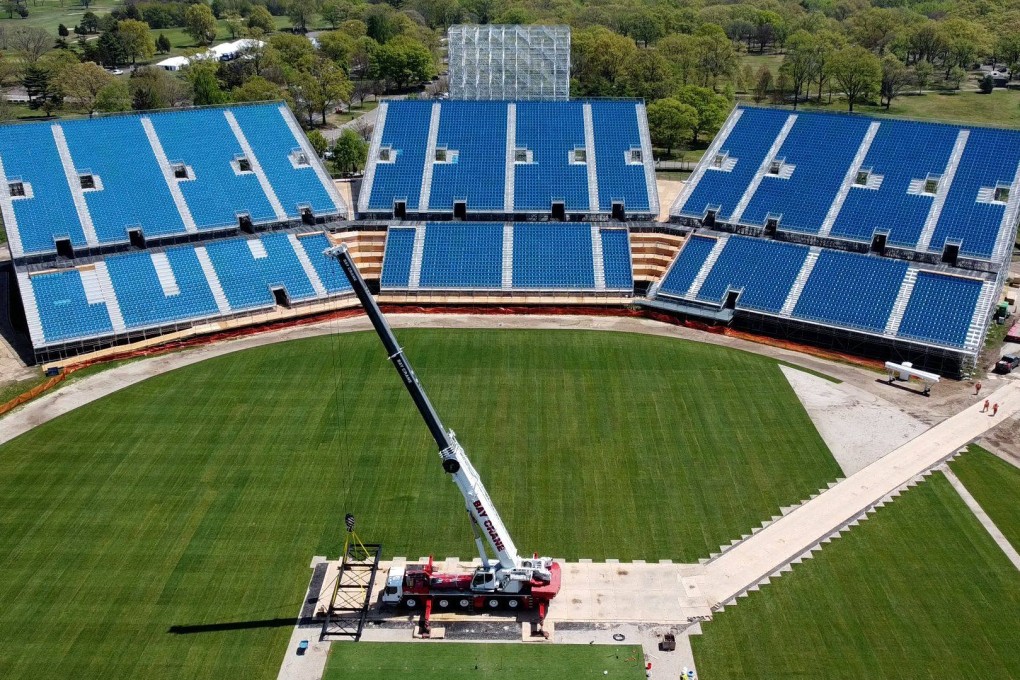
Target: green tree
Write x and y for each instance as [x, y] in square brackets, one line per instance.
[671, 123]
[235, 24]
[894, 79]
[827, 43]
[261, 20]
[956, 77]
[350, 152]
[597, 56]
[291, 51]
[62, 31]
[987, 84]
[645, 26]
[206, 88]
[923, 73]
[716, 56]
[257, 89]
[41, 90]
[965, 41]
[81, 83]
[405, 61]
[89, 22]
[328, 85]
[114, 97]
[875, 28]
[712, 108]
[301, 12]
[137, 39]
[338, 47]
[154, 88]
[200, 23]
[318, 142]
[857, 72]
[646, 74]
[335, 12]
[110, 49]
[800, 63]
[683, 53]
[763, 84]
[163, 45]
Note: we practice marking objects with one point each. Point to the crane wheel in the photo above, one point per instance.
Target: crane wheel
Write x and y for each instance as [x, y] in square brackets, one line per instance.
[494, 604]
[512, 603]
[464, 603]
[410, 603]
[443, 604]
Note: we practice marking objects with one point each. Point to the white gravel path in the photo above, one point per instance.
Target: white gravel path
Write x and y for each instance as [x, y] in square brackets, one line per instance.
[858, 427]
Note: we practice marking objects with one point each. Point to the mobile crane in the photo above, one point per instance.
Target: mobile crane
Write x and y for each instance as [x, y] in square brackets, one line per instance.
[507, 581]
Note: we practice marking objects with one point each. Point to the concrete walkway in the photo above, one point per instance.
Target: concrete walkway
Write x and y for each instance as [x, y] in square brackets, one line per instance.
[983, 517]
[773, 548]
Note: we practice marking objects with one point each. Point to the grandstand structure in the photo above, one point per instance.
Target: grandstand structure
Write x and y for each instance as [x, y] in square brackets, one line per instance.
[127, 227]
[878, 236]
[509, 62]
[510, 161]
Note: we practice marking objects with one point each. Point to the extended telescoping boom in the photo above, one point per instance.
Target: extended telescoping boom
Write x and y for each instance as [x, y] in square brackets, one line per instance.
[512, 574]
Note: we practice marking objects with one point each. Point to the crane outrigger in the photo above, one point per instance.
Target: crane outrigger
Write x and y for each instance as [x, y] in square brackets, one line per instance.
[505, 581]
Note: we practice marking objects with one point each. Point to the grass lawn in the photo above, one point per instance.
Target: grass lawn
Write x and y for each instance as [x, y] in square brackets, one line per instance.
[200, 495]
[352, 113]
[1001, 108]
[49, 14]
[453, 661]
[995, 484]
[918, 591]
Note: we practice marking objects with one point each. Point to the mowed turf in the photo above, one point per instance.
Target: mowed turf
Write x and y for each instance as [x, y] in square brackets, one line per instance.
[460, 661]
[920, 590]
[995, 485]
[199, 496]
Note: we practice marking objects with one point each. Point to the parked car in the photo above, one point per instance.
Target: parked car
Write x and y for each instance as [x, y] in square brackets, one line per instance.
[1007, 363]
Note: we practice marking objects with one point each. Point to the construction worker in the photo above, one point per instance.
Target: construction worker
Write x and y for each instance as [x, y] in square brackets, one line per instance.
[995, 408]
[985, 407]
[977, 387]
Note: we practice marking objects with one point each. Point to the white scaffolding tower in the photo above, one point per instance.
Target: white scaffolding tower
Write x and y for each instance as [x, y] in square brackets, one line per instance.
[509, 62]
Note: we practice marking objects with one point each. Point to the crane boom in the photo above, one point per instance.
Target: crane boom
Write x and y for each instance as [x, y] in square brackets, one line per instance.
[485, 518]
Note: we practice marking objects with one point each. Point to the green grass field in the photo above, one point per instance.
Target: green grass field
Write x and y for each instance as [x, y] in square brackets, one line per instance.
[199, 496]
[453, 661]
[1000, 109]
[995, 484]
[918, 591]
[49, 14]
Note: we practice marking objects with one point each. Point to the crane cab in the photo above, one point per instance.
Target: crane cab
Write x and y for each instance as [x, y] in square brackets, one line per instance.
[484, 580]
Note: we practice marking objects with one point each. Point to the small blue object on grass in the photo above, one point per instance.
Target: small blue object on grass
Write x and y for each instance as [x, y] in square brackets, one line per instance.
[302, 647]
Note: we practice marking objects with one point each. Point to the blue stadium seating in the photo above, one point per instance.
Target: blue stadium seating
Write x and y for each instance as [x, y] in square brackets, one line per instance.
[477, 131]
[406, 131]
[902, 151]
[748, 143]
[990, 156]
[479, 175]
[141, 297]
[687, 265]
[247, 281]
[272, 141]
[616, 133]
[852, 291]
[459, 255]
[804, 199]
[396, 270]
[616, 259]
[328, 269]
[63, 309]
[551, 130]
[134, 192]
[29, 152]
[553, 256]
[765, 270]
[940, 309]
[216, 194]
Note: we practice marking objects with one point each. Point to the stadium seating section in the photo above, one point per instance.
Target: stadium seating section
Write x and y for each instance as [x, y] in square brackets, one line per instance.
[431, 155]
[863, 293]
[153, 289]
[520, 257]
[168, 173]
[923, 184]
